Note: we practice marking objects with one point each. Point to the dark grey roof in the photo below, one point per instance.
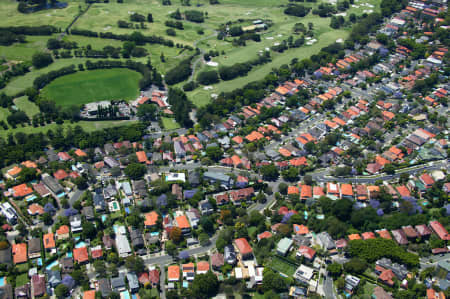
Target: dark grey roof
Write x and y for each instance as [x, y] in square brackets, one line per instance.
[104, 287]
[52, 184]
[34, 246]
[118, 282]
[6, 256]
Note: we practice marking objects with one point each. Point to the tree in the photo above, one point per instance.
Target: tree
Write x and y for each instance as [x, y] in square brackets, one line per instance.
[282, 188]
[290, 174]
[40, 60]
[207, 224]
[342, 209]
[205, 285]
[135, 264]
[171, 248]
[208, 77]
[89, 230]
[135, 171]
[270, 172]
[355, 266]
[204, 239]
[175, 235]
[81, 182]
[47, 218]
[100, 268]
[214, 153]
[150, 18]
[334, 269]
[61, 291]
[273, 281]
[389, 168]
[147, 112]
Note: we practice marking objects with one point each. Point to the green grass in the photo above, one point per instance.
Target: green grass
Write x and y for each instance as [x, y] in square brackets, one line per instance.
[21, 279]
[170, 123]
[24, 52]
[90, 86]
[28, 107]
[88, 126]
[4, 113]
[282, 266]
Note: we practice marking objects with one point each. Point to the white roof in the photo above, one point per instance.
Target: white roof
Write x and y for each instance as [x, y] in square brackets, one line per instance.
[238, 273]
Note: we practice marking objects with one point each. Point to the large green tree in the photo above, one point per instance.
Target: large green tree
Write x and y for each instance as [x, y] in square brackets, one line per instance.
[205, 285]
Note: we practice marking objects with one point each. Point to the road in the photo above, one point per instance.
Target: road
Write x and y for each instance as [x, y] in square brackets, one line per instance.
[200, 58]
[328, 287]
[425, 262]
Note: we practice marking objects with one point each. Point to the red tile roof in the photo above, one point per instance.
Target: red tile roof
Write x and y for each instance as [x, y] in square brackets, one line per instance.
[80, 255]
[440, 230]
[151, 218]
[19, 252]
[49, 241]
[243, 246]
[307, 252]
[60, 174]
[202, 266]
[368, 235]
[89, 294]
[182, 222]
[173, 272]
[264, 235]
[21, 190]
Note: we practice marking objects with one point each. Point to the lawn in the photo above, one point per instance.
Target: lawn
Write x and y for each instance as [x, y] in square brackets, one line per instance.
[282, 266]
[26, 106]
[24, 51]
[170, 123]
[90, 86]
[3, 113]
[88, 126]
[21, 279]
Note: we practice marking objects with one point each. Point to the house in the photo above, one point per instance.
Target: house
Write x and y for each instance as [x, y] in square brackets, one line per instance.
[63, 232]
[440, 230]
[432, 294]
[202, 267]
[38, 285]
[380, 293]
[188, 271]
[89, 294]
[399, 236]
[306, 252]
[173, 273]
[75, 223]
[88, 212]
[423, 230]
[325, 241]
[19, 252]
[133, 282]
[99, 201]
[154, 277]
[303, 274]
[284, 246]
[244, 248]
[6, 256]
[123, 246]
[351, 283]
[217, 261]
[23, 292]
[80, 255]
[118, 283]
[229, 255]
[183, 223]
[53, 278]
[151, 219]
[136, 238]
[66, 265]
[49, 242]
[219, 177]
[264, 235]
[104, 287]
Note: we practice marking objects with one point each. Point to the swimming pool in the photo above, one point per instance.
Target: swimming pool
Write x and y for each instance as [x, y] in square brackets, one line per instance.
[125, 295]
[69, 254]
[2, 281]
[53, 264]
[185, 284]
[80, 244]
[104, 217]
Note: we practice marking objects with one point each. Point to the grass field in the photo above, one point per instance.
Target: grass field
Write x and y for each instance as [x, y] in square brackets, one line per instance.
[170, 123]
[89, 86]
[3, 113]
[21, 279]
[88, 126]
[26, 106]
[282, 266]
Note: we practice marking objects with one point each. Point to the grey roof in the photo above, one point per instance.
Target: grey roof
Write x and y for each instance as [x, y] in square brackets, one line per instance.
[34, 246]
[88, 212]
[6, 256]
[104, 287]
[133, 281]
[216, 176]
[118, 282]
[52, 184]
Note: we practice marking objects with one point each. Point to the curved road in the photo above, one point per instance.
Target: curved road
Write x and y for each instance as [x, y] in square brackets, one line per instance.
[202, 52]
